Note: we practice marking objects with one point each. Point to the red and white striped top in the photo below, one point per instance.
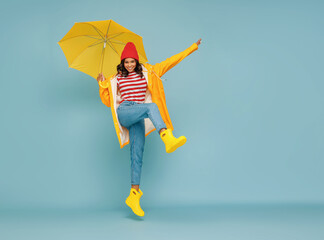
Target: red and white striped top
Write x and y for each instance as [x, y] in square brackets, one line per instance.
[132, 88]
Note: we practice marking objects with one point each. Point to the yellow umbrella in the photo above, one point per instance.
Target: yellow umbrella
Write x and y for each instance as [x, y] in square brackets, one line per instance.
[95, 47]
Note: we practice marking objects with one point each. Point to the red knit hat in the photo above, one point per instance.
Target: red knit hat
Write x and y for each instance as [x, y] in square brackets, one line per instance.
[129, 51]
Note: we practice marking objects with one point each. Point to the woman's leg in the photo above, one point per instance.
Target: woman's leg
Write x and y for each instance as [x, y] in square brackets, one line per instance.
[131, 115]
[131, 112]
[137, 142]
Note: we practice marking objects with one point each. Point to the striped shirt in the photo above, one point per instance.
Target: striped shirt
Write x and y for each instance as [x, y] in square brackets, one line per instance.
[132, 88]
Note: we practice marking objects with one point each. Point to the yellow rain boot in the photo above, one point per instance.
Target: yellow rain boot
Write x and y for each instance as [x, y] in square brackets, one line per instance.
[172, 143]
[133, 200]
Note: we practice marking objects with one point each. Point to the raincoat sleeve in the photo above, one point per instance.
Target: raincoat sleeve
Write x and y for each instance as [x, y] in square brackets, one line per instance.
[104, 92]
[162, 67]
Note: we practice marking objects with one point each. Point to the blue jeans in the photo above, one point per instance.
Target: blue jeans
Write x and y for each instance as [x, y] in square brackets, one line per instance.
[131, 115]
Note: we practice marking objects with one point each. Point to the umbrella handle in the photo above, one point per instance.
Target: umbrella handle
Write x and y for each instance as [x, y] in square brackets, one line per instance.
[103, 79]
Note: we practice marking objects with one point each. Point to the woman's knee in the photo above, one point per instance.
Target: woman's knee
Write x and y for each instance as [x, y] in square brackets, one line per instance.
[153, 106]
[123, 123]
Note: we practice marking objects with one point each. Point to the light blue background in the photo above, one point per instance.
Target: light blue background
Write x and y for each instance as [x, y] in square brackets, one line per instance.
[249, 100]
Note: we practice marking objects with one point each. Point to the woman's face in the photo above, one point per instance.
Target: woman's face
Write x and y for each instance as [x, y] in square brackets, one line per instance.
[130, 64]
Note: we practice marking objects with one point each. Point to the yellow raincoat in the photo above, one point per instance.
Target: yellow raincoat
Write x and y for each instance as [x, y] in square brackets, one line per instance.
[155, 93]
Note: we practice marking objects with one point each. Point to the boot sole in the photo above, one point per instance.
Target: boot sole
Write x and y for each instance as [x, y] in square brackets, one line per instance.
[181, 142]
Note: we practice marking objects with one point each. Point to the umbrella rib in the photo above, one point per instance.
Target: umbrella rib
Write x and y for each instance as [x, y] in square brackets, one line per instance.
[91, 37]
[80, 36]
[116, 35]
[112, 47]
[98, 31]
[119, 42]
[108, 29]
[94, 44]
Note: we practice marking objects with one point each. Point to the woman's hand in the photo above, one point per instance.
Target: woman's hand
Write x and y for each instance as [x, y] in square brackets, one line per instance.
[101, 77]
[198, 42]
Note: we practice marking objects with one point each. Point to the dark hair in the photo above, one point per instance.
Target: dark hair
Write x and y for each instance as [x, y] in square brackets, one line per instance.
[123, 71]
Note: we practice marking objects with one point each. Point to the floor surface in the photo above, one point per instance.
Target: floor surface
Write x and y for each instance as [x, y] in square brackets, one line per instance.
[223, 222]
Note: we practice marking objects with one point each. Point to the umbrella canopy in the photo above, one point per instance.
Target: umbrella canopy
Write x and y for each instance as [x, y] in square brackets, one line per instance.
[95, 47]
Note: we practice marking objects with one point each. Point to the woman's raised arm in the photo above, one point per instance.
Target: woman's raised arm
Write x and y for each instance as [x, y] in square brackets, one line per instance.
[162, 67]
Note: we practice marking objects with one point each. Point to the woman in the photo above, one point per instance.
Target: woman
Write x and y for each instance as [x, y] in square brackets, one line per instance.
[136, 97]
